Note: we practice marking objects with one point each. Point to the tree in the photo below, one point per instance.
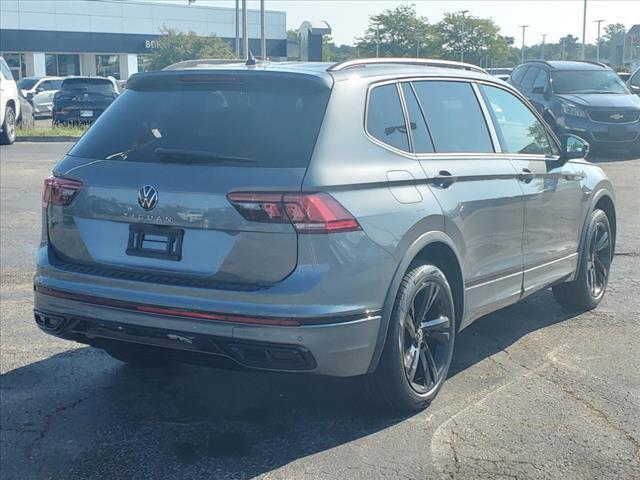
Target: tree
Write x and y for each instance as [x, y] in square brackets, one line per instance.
[612, 30]
[334, 53]
[483, 43]
[175, 46]
[397, 32]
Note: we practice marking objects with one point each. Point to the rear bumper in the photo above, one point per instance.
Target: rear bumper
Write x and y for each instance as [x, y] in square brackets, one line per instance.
[343, 348]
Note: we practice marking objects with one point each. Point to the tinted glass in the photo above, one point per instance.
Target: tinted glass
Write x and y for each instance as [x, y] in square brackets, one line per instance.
[518, 128]
[27, 83]
[635, 80]
[454, 117]
[385, 120]
[542, 80]
[588, 81]
[96, 85]
[269, 123]
[51, 85]
[421, 139]
[517, 75]
[530, 76]
[5, 70]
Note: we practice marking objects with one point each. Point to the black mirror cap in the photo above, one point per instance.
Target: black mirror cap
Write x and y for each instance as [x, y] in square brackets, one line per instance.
[573, 147]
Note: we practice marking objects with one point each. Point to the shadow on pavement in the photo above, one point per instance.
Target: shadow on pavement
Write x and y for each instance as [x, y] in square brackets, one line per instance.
[88, 416]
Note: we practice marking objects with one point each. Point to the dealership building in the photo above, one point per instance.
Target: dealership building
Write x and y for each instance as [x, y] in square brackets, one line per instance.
[112, 37]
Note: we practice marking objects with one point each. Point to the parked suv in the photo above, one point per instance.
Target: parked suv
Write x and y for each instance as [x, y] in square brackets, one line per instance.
[40, 91]
[9, 104]
[634, 82]
[342, 219]
[586, 99]
[83, 99]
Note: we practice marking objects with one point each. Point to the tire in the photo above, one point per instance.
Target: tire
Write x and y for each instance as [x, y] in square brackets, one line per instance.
[596, 254]
[8, 135]
[137, 357]
[415, 362]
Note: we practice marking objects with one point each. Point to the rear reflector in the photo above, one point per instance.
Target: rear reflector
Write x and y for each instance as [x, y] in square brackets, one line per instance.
[308, 213]
[59, 191]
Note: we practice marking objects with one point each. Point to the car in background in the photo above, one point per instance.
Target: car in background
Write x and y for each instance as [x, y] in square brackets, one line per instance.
[501, 73]
[39, 91]
[83, 99]
[26, 118]
[634, 82]
[624, 76]
[583, 98]
[9, 104]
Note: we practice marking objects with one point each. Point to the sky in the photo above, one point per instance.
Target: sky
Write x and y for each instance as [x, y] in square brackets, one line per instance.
[556, 18]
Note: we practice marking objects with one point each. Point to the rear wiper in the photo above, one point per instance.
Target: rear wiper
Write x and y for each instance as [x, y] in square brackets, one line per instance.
[199, 155]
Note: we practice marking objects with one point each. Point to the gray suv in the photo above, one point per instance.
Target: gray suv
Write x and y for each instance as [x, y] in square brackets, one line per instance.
[342, 219]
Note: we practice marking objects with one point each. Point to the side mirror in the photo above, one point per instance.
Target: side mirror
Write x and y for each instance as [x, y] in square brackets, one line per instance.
[39, 89]
[573, 147]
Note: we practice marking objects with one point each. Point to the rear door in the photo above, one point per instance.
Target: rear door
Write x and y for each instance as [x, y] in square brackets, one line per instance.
[552, 191]
[476, 188]
[162, 161]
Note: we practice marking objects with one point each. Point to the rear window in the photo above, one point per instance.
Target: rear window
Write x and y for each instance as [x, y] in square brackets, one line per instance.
[95, 85]
[385, 119]
[259, 122]
[27, 83]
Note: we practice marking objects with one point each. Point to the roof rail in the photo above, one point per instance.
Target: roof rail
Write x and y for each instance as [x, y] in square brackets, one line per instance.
[593, 62]
[423, 62]
[539, 61]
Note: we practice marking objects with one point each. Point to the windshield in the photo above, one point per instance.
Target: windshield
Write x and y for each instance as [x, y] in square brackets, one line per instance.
[260, 124]
[88, 85]
[588, 81]
[27, 83]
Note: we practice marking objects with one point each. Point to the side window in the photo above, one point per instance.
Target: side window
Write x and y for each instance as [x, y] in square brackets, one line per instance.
[519, 129]
[55, 84]
[419, 132]
[542, 80]
[4, 68]
[517, 75]
[45, 86]
[454, 117]
[527, 81]
[385, 120]
[635, 80]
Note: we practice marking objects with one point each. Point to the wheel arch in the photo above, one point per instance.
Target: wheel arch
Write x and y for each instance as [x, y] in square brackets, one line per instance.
[440, 250]
[603, 199]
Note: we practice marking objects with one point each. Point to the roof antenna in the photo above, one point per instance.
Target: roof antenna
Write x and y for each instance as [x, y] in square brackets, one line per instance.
[251, 60]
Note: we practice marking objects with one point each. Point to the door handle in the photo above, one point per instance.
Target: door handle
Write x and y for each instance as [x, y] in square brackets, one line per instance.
[526, 175]
[444, 179]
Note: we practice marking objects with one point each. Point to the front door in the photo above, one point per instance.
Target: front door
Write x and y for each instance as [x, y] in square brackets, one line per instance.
[477, 189]
[552, 193]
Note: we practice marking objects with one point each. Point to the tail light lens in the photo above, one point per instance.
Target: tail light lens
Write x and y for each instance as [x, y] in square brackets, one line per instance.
[60, 191]
[308, 213]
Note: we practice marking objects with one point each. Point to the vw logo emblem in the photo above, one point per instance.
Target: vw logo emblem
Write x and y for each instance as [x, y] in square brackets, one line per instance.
[148, 197]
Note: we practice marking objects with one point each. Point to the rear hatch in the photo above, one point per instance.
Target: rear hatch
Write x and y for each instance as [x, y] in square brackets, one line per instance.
[157, 168]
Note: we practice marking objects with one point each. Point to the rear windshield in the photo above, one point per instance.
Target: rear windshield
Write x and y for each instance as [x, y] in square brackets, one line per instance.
[27, 83]
[253, 123]
[95, 85]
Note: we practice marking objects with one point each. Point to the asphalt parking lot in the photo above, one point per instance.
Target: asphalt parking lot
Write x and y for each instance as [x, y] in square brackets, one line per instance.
[534, 392]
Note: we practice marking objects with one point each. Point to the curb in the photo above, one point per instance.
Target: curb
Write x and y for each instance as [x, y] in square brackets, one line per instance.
[42, 138]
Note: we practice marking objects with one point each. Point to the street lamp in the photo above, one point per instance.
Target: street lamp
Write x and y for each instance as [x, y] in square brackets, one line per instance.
[523, 27]
[584, 30]
[377, 40]
[463, 13]
[598, 44]
[544, 37]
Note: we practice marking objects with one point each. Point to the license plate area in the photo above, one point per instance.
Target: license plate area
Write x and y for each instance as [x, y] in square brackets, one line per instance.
[86, 113]
[155, 242]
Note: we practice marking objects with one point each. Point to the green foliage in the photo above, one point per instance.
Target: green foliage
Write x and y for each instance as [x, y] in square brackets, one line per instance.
[397, 32]
[482, 39]
[334, 53]
[175, 46]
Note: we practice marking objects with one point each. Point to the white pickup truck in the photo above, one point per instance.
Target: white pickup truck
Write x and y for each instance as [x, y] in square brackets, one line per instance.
[9, 105]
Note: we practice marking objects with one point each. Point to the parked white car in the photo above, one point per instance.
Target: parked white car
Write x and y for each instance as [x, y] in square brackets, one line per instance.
[9, 104]
[40, 91]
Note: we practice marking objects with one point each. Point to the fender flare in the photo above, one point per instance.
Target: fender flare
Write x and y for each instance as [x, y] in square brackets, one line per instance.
[421, 242]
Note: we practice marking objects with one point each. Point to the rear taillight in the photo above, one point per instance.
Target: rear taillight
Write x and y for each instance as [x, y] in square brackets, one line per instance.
[60, 191]
[308, 213]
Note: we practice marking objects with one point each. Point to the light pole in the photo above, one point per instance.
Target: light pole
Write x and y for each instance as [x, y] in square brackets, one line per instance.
[463, 13]
[417, 48]
[523, 27]
[562, 54]
[377, 40]
[584, 30]
[237, 21]
[245, 31]
[598, 44]
[544, 37]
